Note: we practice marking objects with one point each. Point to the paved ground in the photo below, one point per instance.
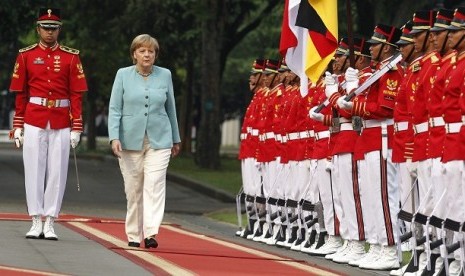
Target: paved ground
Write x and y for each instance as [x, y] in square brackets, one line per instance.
[102, 195]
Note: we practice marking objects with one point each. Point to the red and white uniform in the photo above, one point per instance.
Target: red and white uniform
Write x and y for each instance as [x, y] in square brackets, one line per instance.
[49, 83]
[377, 176]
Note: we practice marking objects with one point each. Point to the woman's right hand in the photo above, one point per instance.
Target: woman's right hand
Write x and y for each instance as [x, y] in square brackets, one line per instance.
[116, 147]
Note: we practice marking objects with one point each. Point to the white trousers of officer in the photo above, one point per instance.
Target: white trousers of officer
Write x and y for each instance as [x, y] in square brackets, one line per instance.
[453, 174]
[381, 198]
[144, 174]
[45, 157]
[408, 190]
[345, 196]
[251, 178]
[323, 182]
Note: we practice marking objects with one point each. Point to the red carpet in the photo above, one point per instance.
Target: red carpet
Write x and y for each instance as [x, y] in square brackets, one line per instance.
[183, 252]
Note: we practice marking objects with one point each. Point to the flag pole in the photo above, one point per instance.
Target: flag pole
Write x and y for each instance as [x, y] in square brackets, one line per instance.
[350, 34]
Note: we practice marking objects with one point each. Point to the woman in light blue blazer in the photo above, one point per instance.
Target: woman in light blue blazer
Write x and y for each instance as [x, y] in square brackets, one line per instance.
[143, 132]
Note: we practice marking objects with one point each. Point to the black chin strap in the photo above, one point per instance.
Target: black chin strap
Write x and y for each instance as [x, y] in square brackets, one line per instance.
[423, 48]
[458, 42]
[443, 48]
[379, 53]
[410, 54]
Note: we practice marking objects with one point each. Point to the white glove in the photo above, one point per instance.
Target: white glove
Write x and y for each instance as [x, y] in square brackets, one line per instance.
[316, 116]
[19, 137]
[331, 84]
[342, 103]
[351, 77]
[75, 137]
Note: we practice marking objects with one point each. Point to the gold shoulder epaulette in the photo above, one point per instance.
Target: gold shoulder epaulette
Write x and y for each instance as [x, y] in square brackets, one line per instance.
[30, 47]
[434, 59]
[69, 50]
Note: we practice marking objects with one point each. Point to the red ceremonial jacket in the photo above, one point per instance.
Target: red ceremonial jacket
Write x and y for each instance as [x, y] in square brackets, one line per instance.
[378, 105]
[453, 146]
[416, 102]
[434, 104]
[50, 73]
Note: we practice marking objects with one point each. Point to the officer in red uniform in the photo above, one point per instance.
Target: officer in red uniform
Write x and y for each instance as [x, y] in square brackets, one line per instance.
[345, 171]
[251, 178]
[377, 176]
[49, 82]
[453, 154]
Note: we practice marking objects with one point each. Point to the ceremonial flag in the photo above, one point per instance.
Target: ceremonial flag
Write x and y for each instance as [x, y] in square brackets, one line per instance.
[319, 18]
[292, 45]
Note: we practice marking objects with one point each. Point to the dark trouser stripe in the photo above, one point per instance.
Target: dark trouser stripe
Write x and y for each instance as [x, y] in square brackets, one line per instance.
[358, 203]
[385, 201]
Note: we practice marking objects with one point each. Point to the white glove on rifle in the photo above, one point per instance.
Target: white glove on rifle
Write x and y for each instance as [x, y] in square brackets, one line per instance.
[342, 103]
[19, 137]
[75, 137]
[316, 116]
[351, 77]
[331, 84]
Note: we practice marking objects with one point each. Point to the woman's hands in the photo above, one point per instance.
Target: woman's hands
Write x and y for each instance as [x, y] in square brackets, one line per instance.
[116, 147]
[175, 149]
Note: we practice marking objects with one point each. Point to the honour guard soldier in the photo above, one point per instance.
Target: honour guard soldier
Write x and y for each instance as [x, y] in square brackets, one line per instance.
[453, 154]
[49, 82]
[251, 178]
[345, 174]
[377, 175]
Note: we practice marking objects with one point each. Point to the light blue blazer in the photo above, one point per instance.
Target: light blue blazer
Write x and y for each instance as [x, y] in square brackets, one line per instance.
[138, 107]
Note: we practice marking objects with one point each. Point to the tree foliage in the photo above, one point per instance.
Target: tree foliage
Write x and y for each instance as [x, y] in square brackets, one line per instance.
[208, 45]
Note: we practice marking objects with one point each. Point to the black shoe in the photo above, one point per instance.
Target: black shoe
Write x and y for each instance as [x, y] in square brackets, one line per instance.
[151, 243]
[134, 244]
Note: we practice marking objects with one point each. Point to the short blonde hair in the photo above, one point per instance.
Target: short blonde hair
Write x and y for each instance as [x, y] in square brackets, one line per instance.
[143, 40]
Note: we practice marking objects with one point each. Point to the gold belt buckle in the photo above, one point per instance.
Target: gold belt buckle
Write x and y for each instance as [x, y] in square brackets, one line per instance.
[51, 103]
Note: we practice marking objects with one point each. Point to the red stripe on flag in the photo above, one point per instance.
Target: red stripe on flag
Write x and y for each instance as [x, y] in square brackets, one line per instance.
[324, 44]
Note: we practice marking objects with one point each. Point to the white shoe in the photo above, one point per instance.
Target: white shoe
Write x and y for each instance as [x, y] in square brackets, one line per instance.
[438, 266]
[264, 232]
[387, 260]
[36, 229]
[370, 256]
[49, 232]
[406, 246]
[355, 251]
[340, 251]
[331, 245]
[422, 261]
[398, 272]
[455, 268]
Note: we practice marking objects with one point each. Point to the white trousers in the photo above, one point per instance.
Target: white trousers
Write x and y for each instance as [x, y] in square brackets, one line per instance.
[323, 182]
[144, 174]
[346, 195]
[251, 177]
[45, 157]
[380, 198]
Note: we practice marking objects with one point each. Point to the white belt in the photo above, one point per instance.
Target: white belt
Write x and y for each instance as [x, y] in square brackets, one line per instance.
[322, 134]
[344, 120]
[453, 127]
[284, 139]
[463, 119]
[311, 133]
[377, 123]
[249, 129]
[49, 102]
[243, 136]
[400, 126]
[304, 134]
[278, 137]
[420, 128]
[293, 136]
[254, 132]
[346, 126]
[436, 121]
